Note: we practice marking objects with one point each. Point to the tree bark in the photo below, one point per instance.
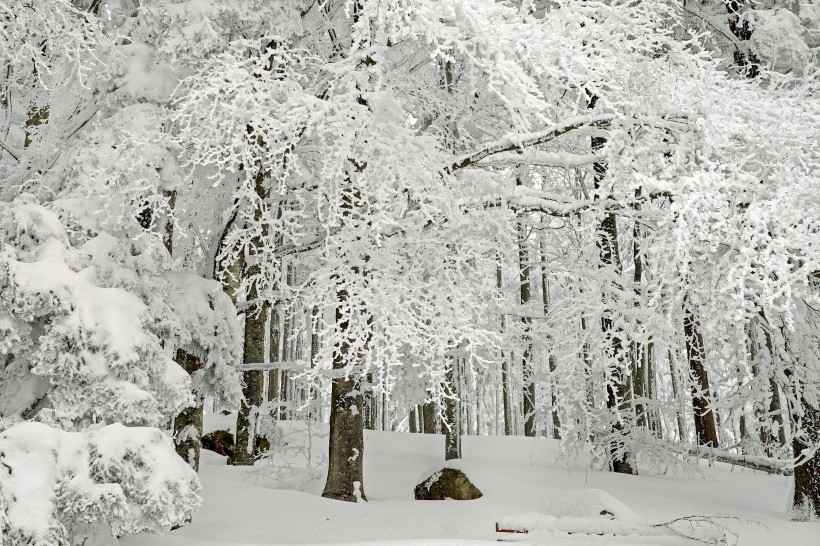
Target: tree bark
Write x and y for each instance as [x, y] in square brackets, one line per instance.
[256, 322]
[505, 373]
[806, 502]
[247, 443]
[345, 476]
[528, 400]
[673, 376]
[705, 429]
[188, 424]
[617, 388]
[553, 364]
[428, 417]
[452, 429]
[775, 410]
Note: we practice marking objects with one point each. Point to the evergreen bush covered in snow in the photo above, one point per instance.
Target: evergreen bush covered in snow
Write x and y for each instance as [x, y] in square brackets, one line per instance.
[61, 488]
[88, 324]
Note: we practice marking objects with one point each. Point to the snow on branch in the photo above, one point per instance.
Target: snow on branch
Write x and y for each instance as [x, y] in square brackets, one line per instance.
[541, 158]
[527, 141]
[511, 149]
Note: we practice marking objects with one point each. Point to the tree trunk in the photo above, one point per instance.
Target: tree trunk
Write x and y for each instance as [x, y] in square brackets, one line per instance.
[640, 376]
[256, 322]
[188, 424]
[247, 443]
[428, 414]
[775, 411]
[528, 409]
[505, 372]
[673, 376]
[617, 388]
[705, 429]
[345, 476]
[806, 502]
[452, 429]
[553, 364]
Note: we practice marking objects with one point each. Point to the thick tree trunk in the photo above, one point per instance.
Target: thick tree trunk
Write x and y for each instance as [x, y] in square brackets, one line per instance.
[806, 502]
[345, 476]
[428, 414]
[247, 443]
[188, 424]
[256, 323]
[705, 428]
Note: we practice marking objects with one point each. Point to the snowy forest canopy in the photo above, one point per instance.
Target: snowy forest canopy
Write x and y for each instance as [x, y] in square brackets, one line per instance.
[596, 221]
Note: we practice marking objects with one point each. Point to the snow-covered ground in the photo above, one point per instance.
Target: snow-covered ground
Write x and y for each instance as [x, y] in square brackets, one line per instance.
[517, 475]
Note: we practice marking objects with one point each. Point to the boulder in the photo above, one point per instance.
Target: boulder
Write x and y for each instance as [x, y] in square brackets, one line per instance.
[447, 483]
[219, 441]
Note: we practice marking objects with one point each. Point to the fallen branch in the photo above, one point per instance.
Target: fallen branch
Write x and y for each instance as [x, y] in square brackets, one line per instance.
[764, 464]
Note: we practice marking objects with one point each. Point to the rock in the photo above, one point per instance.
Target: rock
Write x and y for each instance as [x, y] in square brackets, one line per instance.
[447, 483]
[219, 441]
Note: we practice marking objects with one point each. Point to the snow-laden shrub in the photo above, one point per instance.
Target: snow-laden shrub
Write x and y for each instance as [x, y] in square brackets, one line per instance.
[73, 349]
[88, 323]
[62, 488]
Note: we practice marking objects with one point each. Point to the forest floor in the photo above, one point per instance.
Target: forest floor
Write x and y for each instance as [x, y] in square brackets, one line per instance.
[244, 506]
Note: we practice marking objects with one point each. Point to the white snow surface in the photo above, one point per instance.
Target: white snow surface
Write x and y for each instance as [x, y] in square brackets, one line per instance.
[517, 476]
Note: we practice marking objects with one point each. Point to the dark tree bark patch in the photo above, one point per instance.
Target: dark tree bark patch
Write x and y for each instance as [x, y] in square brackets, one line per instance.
[219, 441]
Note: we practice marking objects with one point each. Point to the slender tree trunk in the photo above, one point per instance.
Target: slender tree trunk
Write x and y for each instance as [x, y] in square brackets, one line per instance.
[617, 387]
[370, 403]
[640, 376]
[673, 376]
[413, 420]
[553, 363]
[505, 372]
[452, 429]
[705, 428]
[528, 409]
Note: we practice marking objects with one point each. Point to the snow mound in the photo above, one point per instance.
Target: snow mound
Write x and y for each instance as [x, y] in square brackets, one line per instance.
[588, 503]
